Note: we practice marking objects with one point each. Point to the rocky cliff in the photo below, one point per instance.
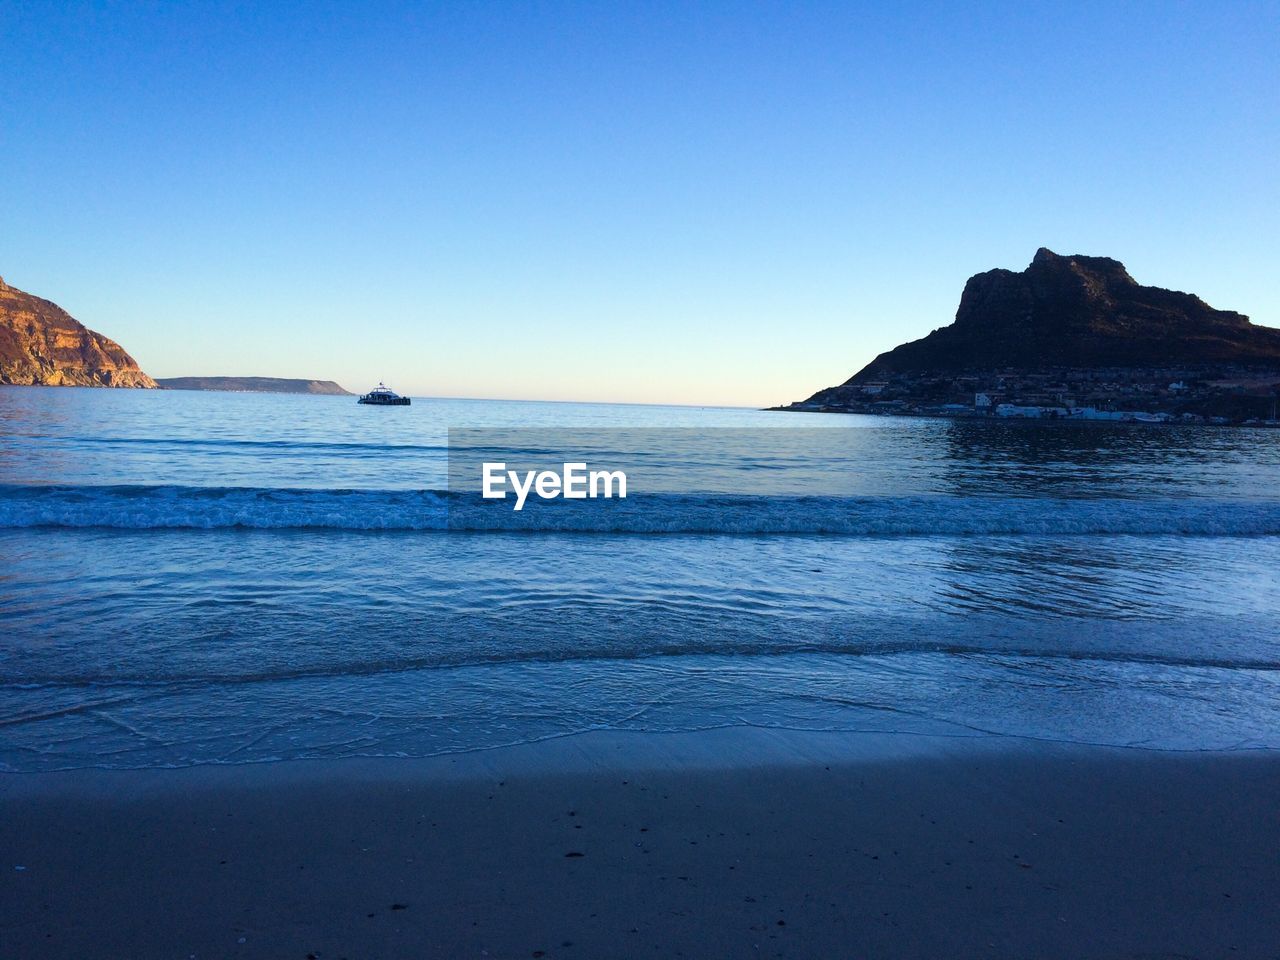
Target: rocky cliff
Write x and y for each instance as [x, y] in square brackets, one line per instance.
[1081, 312]
[40, 343]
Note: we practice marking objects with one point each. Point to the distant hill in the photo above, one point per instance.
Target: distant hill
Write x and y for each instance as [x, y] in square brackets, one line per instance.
[1079, 312]
[253, 385]
[1073, 337]
[42, 344]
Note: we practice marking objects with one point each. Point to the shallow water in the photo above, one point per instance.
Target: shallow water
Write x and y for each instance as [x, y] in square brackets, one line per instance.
[205, 577]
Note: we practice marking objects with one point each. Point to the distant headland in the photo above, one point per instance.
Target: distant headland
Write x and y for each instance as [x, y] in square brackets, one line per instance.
[253, 385]
[42, 344]
[1073, 337]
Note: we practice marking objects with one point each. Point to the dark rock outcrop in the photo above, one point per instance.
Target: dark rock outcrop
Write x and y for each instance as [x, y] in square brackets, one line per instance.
[253, 385]
[1079, 312]
[42, 344]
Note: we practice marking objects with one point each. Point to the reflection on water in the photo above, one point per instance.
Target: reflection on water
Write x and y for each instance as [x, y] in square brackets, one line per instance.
[1099, 582]
[83, 436]
[224, 645]
[1086, 459]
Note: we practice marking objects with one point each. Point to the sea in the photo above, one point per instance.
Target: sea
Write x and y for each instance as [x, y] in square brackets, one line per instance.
[216, 578]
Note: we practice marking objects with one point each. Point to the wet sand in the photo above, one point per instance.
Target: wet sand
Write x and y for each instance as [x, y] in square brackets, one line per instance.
[724, 844]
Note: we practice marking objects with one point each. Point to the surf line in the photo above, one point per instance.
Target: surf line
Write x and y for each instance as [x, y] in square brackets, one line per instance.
[574, 482]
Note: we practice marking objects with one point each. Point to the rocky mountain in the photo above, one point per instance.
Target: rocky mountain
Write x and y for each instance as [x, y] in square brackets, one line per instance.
[40, 343]
[254, 385]
[1077, 312]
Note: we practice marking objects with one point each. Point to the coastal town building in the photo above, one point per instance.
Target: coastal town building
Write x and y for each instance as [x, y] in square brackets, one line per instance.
[1219, 394]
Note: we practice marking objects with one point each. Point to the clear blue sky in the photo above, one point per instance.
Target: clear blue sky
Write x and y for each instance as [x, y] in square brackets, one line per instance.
[692, 203]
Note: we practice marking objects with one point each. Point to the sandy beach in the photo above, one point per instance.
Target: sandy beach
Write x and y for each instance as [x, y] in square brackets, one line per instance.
[719, 844]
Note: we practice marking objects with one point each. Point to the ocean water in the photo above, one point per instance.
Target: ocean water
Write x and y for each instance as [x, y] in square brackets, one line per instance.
[193, 578]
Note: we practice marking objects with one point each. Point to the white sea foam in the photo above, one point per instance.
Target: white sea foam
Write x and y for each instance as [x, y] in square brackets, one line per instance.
[1073, 582]
[175, 507]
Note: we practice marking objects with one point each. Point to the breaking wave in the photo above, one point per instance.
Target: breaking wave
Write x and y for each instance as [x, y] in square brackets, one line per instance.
[137, 507]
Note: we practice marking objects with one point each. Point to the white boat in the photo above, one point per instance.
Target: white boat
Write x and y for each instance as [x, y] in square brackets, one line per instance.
[383, 396]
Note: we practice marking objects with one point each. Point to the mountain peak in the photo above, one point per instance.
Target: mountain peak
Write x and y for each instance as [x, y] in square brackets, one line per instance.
[1077, 311]
[1101, 268]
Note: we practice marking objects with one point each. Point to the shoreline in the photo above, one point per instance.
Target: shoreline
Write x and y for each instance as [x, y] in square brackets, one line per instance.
[982, 418]
[738, 842]
[588, 753]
